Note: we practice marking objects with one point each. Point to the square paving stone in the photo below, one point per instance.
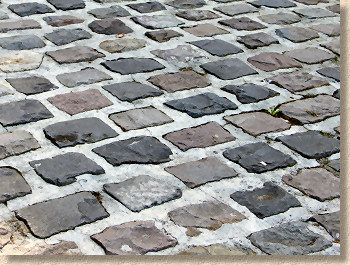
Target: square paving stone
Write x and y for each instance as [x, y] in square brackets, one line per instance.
[311, 144]
[163, 35]
[249, 93]
[297, 34]
[266, 201]
[311, 110]
[210, 215]
[83, 77]
[140, 118]
[205, 30]
[271, 61]
[259, 157]
[27, 9]
[242, 23]
[157, 21]
[280, 18]
[330, 221]
[16, 143]
[141, 192]
[317, 183]
[217, 47]
[61, 170]
[75, 54]
[310, 55]
[64, 36]
[330, 72]
[186, 4]
[197, 15]
[333, 46]
[21, 42]
[147, 7]
[13, 185]
[201, 136]
[109, 12]
[228, 69]
[31, 85]
[232, 10]
[182, 53]
[255, 40]
[80, 131]
[48, 218]
[130, 91]
[202, 104]
[81, 101]
[67, 4]
[293, 238]
[133, 238]
[256, 123]
[127, 66]
[109, 26]
[19, 25]
[273, 3]
[64, 20]
[331, 29]
[313, 13]
[23, 111]
[196, 173]
[122, 45]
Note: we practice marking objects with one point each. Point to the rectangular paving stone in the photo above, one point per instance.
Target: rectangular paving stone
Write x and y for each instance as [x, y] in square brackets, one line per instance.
[122, 45]
[333, 46]
[157, 21]
[62, 169]
[31, 85]
[85, 76]
[330, 221]
[255, 40]
[205, 30]
[280, 18]
[19, 25]
[20, 61]
[217, 47]
[109, 12]
[64, 36]
[51, 217]
[334, 8]
[163, 35]
[273, 3]
[233, 10]
[147, 7]
[201, 136]
[27, 9]
[330, 29]
[140, 118]
[127, 66]
[197, 15]
[310, 55]
[64, 20]
[181, 53]
[109, 26]
[75, 54]
[21, 42]
[67, 4]
[297, 34]
[80, 131]
[196, 173]
[311, 2]
[330, 72]
[13, 184]
[313, 13]
[271, 61]
[186, 4]
[242, 23]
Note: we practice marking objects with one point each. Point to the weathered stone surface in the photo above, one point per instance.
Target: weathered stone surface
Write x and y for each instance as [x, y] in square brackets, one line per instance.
[313, 13]
[242, 23]
[289, 239]
[163, 35]
[311, 144]
[67, 4]
[201, 136]
[310, 55]
[21, 42]
[228, 69]
[334, 8]
[333, 46]
[140, 118]
[173, 82]
[317, 183]
[109, 26]
[50, 217]
[259, 157]
[256, 123]
[311, 110]
[335, 164]
[13, 185]
[273, 3]
[75, 54]
[133, 238]
[271, 61]
[16, 143]
[186, 4]
[19, 25]
[182, 53]
[109, 12]
[297, 34]
[147, 7]
[80, 131]
[27, 9]
[248, 93]
[330, 221]
[217, 47]
[255, 40]
[31, 85]
[130, 91]
[331, 29]
[141, 192]
[62, 248]
[202, 104]
[83, 77]
[280, 18]
[205, 30]
[197, 15]
[196, 173]
[210, 215]
[127, 66]
[311, 2]
[330, 72]
[157, 21]
[65, 36]
[64, 20]
[232, 10]
[81, 101]
[61, 170]
[217, 249]
[20, 61]
[4, 89]
[3, 15]
[122, 45]
[136, 150]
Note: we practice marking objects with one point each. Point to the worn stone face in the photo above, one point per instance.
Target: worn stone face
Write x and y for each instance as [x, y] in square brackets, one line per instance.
[255, 40]
[248, 93]
[62, 248]
[271, 61]
[16, 143]
[202, 104]
[289, 239]
[186, 4]
[109, 12]
[334, 8]
[259, 157]
[133, 238]
[273, 3]
[122, 45]
[197, 15]
[19, 25]
[67, 4]
[217, 47]
[80, 131]
[331, 29]
[313, 13]
[77, 102]
[13, 185]
[62, 169]
[157, 21]
[64, 20]
[311, 144]
[228, 69]
[141, 192]
[242, 23]
[333, 46]
[280, 18]
[31, 85]
[4, 90]
[297, 34]
[20, 61]
[330, 72]
[136, 150]
[233, 10]
[3, 15]
[162, 35]
[182, 53]
[109, 26]
[64, 36]
[197, 173]
[330, 221]
[311, 2]
[317, 183]
[201, 136]
[147, 7]
[217, 249]
[27, 9]
[210, 215]
[310, 55]
[69, 212]
[21, 42]
[335, 164]
[205, 30]
[83, 77]
[127, 66]
[75, 54]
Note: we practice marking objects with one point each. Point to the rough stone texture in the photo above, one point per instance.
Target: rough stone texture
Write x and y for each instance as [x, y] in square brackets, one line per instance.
[333, 46]
[20, 61]
[297, 34]
[27, 9]
[203, 135]
[157, 21]
[64, 36]
[147, 7]
[317, 183]
[80, 131]
[310, 55]
[330, 221]
[186, 4]
[122, 45]
[255, 40]
[68, 212]
[75, 54]
[21, 42]
[217, 249]
[242, 23]
[335, 164]
[109, 26]
[210, 215]
[127, 66]
[331, 29]
[197, 15]
[330, 72]
[133, 238]
[109, 12]
[334, 8]
[271, 61]
[141, 192]
[313, 13]
[67, 4]
[196, 173]
[62, 248]
[233, 10]
[280, 18]
[182, 53]
[83, 77]
[163, 35]
[13, 185]
[31, 85]
[217, 47]
[64, 20]
[19, 25]
[136, 150]
[62, 169]
[3, 15]
[205, 30]
[273, 3]
[311, 2]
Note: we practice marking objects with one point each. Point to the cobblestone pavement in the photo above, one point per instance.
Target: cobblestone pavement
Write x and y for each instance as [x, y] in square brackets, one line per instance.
[170, 127]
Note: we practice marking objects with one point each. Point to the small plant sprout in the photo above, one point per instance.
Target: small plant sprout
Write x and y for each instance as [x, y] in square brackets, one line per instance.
[273, 111]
